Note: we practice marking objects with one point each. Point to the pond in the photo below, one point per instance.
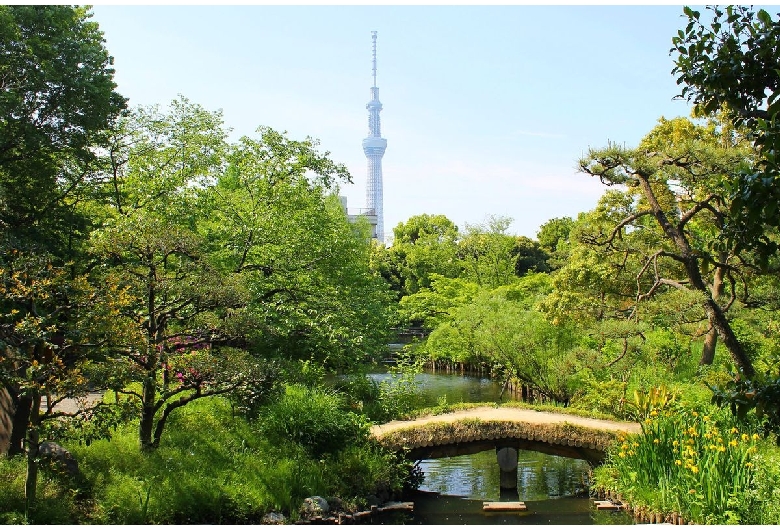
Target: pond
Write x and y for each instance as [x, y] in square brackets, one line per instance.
[454, 387]
[554, 488]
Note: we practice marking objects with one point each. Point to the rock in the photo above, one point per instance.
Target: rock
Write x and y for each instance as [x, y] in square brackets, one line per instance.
[335, 504]
[273, 518]
[60, 457]
[313, 506]
[373, 500]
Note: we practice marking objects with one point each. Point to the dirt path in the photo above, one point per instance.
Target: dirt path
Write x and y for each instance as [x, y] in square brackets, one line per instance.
[71, 406]
[508, 414]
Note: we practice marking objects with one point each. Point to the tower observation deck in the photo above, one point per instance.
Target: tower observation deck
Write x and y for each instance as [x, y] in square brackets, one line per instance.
[374, 148]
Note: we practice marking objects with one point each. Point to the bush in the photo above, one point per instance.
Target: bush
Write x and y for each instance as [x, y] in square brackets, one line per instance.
[358, 388]
[213, 467]
[370, 469]
[604, 397]
[314, 418]
[56, 502]
[762, 502]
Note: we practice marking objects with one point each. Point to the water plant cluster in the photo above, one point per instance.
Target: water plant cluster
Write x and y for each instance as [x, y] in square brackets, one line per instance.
[697, 463]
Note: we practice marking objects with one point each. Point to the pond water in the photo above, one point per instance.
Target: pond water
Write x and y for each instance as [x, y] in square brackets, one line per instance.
[554, 488]
[454, 387]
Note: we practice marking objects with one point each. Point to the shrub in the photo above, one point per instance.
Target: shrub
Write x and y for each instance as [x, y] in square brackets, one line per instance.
[605, 397]
[55, 504]
[316, 419]
[359, 390]
[213, 468]
[371, 469]
[762, 502]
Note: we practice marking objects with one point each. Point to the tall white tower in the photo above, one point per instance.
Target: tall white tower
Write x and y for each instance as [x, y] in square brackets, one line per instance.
[374, 147]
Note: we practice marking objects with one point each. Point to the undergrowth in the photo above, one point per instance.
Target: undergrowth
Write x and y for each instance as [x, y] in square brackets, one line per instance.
[212, 467]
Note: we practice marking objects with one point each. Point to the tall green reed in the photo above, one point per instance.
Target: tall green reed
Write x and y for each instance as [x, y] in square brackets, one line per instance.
[685, 461]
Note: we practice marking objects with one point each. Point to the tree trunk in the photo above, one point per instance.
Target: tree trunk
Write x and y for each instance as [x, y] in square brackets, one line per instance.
[692, 267]
[21, 418]
[146, 425]
[710, 342]
[711, 339]
[721, 324]
[33, 440]
[718, 319]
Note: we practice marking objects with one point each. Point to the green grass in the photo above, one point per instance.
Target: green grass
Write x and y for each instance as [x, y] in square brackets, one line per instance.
[211, 468]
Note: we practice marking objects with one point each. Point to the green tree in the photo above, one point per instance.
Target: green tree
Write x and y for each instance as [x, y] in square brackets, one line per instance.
[272, 219]
[58, 102]
[53, 326]
[423, 245]
[678, 175]
[553, 236]
[500, 328]
[488, 252]
[729, 64]
[529, 256]
[596, 281]
[174, 320]
[433, 306]
[554, 233]
[177, 302]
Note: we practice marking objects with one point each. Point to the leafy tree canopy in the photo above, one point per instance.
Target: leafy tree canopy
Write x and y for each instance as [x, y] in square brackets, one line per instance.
[422, 246]
[57, 102]
[676, 186]
[727, 62]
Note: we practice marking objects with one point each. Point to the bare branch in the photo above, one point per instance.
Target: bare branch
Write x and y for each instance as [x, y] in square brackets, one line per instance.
[625, 350]
[620, 226]
[129, 393]
[702, 205]
[733, 296]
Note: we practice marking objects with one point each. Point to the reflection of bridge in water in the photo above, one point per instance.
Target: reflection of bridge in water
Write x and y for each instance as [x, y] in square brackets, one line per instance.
[505, 429]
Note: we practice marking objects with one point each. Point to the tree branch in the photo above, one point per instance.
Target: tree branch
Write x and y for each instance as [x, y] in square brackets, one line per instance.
[705, 204]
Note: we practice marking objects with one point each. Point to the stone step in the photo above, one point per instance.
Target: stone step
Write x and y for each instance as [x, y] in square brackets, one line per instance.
[504, 506]
[607, 505]
[393, 506]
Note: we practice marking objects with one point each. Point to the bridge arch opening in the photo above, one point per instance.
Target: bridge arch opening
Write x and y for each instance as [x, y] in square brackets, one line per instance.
[593, 456]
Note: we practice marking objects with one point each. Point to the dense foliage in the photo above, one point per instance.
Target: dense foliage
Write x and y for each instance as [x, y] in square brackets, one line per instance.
[212, 467]
[727, 62]
[215, 294]
[145, 254]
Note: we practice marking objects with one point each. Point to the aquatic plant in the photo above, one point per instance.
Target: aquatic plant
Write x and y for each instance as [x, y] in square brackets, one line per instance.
[686, 462]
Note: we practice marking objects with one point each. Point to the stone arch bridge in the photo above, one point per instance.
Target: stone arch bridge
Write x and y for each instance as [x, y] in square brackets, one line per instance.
[507, 429]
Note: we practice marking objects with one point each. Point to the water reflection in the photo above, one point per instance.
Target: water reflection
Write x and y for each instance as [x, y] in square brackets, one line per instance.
[554, 489]
[476, 476]
[454, 387]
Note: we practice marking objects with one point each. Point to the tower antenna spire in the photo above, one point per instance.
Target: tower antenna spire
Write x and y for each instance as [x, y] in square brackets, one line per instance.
[373, 38]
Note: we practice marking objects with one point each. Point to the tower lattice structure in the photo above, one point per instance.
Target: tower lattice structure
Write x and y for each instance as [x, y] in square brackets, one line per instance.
[374, 148]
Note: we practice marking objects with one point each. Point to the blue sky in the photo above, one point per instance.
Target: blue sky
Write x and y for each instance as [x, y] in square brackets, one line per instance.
[486, 109]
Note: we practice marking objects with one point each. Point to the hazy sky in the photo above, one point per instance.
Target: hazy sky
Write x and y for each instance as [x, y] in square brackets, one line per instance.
[486, 109]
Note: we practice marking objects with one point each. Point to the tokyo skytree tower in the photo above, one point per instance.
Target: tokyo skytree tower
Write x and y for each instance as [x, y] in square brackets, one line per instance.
[374, 147]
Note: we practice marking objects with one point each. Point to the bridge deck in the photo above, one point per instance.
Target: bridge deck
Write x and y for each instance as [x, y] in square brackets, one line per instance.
[511, 414]
[482, 428]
